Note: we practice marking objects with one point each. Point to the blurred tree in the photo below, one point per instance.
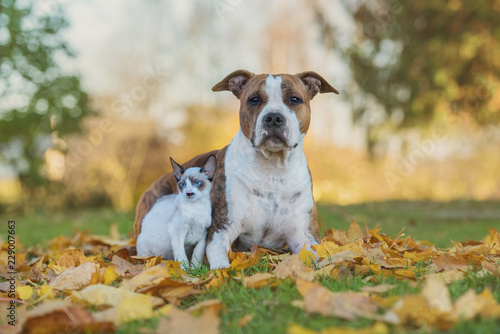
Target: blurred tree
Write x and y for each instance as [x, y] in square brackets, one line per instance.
[39, 103]
[421, 61]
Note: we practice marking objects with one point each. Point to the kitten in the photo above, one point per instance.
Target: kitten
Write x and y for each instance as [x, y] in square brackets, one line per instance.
[176, 226]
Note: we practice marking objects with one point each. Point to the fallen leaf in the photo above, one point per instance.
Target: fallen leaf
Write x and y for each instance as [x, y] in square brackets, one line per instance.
[72, 258]
[377, 328]
[57, 316]
[258, 280]
[74, 278]
[345, 305]
[245, 320]
[297, 329]
[153, 276]
[125, 268]
[450, 262]
[294, 267]
[307, 257]
[213, 306]
[437, 295]
[381, 288]
[447, 277]
[25, 292]
[182, 322]
[355, 232]
[105, 295]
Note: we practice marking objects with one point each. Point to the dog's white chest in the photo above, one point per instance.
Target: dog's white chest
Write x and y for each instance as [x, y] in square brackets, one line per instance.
[265, 203]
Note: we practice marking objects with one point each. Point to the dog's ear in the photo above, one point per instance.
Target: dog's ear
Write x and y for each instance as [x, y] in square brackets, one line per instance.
[234, 82]
[209, 167]
[178, 169]
[315, 83]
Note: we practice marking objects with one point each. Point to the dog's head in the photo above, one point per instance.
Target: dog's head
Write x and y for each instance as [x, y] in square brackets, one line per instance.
[274, 109]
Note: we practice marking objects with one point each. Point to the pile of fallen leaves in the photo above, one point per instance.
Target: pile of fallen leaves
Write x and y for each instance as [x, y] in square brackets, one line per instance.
[97, 284]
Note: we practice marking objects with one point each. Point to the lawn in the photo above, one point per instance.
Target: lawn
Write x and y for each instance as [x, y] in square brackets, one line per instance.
[273, 308]
[433, 221]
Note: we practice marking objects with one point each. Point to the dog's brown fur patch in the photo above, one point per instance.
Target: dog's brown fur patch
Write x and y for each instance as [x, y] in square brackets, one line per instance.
[218, 196]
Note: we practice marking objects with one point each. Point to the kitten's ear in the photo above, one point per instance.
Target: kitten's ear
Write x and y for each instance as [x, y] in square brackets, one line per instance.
[178, 169]
[209, 167]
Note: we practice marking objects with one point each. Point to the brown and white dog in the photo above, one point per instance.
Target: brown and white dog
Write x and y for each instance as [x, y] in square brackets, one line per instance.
[262, 190]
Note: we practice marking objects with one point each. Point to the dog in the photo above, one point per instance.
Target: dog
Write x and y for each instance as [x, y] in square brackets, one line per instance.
[262, 188]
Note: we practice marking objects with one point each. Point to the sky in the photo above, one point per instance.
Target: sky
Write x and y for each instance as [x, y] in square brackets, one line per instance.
[194, 44]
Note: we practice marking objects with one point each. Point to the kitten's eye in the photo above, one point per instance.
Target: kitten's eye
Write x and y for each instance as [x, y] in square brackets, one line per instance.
[295, 100]
[197, 183]
[255, 100]
[182, 184]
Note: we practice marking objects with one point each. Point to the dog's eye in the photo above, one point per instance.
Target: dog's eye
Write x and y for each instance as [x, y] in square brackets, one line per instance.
[295, 100]
[182, 184]
[197, 183]
[255, 100]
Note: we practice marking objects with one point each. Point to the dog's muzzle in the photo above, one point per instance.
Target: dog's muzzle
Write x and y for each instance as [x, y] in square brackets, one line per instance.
[274, 136]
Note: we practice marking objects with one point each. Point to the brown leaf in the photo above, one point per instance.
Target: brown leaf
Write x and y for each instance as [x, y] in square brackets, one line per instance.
[345, 305]
[259, 280]
[124, 268]
[495, 270]
[153, 276]
[182, 322]
[72, 258]
[57, 316]
[245, 320]
[174, 294]
[293, 267]
[450, 262]
[381, 288]
[212, 306]
[355, 232]
[74, 278]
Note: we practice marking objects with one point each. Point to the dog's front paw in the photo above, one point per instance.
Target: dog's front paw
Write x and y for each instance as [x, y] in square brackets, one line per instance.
[220, 264]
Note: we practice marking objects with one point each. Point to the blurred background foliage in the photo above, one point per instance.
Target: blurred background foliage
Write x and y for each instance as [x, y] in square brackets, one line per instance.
[40, 104]
[417, 117]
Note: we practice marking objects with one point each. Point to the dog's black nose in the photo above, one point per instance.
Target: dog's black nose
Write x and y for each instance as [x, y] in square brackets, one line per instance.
[274, 119]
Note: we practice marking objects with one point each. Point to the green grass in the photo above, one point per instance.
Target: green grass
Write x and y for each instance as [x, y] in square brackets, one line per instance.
[433, 221]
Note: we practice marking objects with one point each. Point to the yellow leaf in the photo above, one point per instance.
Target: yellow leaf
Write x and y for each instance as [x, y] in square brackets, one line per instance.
[243, 261]
[110, 275]
[55, 267]
[307, 256]
[405, 273]
[377, 328]
[163, 310]
[135, 307]
[297, 329]
[46, 292]
[105, 295]
[72, 258]
[25, 292]
[355, 232]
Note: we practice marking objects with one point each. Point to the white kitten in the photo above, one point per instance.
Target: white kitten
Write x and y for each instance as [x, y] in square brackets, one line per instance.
[176, 226]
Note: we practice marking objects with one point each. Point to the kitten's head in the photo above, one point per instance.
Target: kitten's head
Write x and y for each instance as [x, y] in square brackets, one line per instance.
[195, 182]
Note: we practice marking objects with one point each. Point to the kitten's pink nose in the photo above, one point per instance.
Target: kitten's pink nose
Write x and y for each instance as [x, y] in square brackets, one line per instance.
[189, 194]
